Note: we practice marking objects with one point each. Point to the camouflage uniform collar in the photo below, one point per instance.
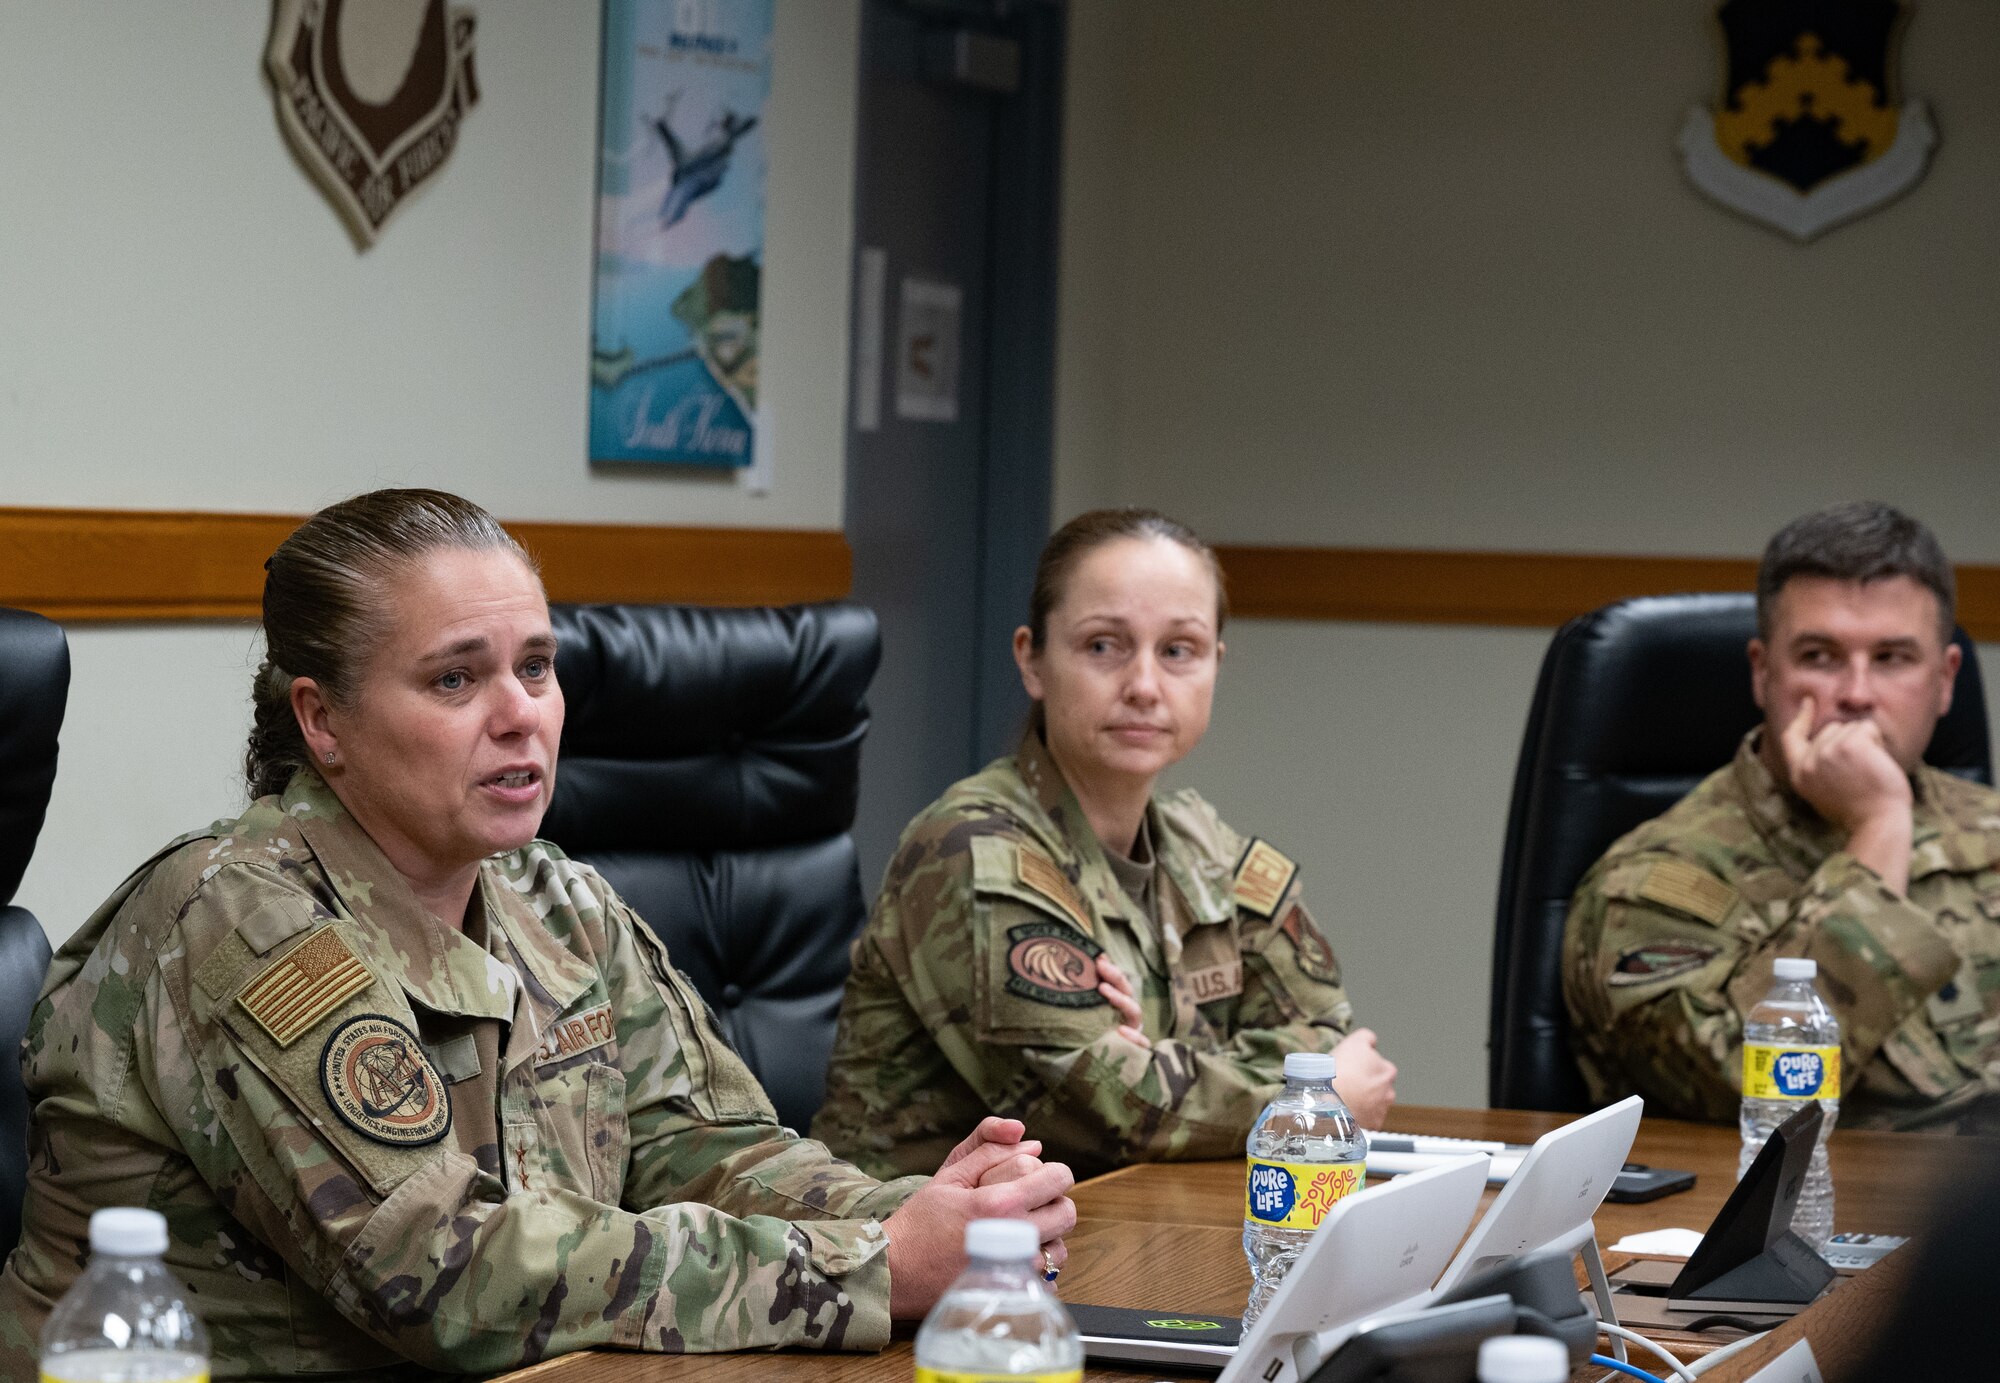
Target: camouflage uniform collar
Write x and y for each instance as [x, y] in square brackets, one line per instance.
[437, 966]
[1203, 890]
[1801, 838]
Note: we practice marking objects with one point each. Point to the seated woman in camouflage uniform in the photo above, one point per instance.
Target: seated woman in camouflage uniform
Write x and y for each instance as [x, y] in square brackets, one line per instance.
[413, 1090]
[1055, 941]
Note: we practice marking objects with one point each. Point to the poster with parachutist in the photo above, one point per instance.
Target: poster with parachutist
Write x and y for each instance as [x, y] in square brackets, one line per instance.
[680, 231]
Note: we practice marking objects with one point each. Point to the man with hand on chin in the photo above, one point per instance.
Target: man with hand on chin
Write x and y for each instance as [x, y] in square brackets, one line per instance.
[1826, 837]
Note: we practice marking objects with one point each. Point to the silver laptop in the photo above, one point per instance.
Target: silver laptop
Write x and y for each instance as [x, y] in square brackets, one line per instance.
[1550, 1199]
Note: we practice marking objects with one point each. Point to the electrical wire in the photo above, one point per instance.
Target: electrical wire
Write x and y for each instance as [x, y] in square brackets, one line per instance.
[1608, 1362]
[1619, 1332]
[1728, 1351]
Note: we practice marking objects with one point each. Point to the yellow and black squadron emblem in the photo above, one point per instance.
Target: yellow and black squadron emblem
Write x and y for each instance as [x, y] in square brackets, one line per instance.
[1809, 132]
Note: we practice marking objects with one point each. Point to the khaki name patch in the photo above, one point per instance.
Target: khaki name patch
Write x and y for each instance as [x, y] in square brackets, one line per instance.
[1224, 981]
[581, 1033]
[1051, 964]
[381, 1084]
[1688, 888]
[1262, 876]
[1037, 872]
[312, 980]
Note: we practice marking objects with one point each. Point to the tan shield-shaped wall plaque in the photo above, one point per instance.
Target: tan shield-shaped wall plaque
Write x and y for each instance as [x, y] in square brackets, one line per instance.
[370, 94]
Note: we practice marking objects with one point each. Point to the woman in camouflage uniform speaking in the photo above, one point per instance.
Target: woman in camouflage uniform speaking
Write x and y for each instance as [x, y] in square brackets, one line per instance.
[1055, 942]
[413, 1089]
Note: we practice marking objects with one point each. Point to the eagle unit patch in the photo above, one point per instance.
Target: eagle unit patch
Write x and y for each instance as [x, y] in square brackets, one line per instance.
[1262, 876]
[312, 980]
[1050, 964]
[1039, 873]
[1809, 132]
[380, 1083]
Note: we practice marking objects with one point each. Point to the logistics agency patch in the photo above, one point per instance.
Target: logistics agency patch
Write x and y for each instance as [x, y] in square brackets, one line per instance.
[312, 980]
[1051, 964]
[1659, 960]
[1315, 956]
[381, 1084]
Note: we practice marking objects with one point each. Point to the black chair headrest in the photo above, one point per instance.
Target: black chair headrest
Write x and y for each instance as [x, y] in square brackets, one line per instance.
[700, 729]
[33, 692]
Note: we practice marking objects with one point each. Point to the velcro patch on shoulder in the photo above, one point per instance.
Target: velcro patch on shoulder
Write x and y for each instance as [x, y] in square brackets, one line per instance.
[382, 1085]
[308, 982]
[580, 1032]
[1038, 872]
[1050, 964]
[1262, 876]
[1657, 961]
[1690, 889]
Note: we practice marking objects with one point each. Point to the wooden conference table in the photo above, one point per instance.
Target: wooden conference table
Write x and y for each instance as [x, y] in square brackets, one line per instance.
[1169, 1235]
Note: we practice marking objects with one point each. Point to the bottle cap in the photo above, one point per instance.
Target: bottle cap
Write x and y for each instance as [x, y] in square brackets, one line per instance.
[1006, 1239]
[1794, 968]
[1309, 1066]
[126, 1232]
[1522, 1359]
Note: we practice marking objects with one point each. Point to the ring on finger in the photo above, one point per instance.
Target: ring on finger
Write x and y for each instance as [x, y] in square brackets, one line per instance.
[1050, 1272]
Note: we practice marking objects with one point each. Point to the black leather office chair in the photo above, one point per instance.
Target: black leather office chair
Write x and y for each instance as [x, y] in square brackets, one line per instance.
[710, 766]
[34, 689]
[1636, 704]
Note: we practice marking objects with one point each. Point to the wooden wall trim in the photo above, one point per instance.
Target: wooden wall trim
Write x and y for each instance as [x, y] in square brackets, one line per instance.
[111, 564]
[101, 564]
[1414, 586]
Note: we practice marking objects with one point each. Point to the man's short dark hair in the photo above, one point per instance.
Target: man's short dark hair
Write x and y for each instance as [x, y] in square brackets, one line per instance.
[1862, 540]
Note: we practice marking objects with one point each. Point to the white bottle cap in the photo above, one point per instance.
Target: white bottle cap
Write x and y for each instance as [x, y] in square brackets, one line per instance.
[1003, 1239]
[1522, 1359]
[1309, 1065]
[1794, 968]
[125, 1232]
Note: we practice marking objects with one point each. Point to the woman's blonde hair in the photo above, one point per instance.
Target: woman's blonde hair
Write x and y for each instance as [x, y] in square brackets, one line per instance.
[324, 593]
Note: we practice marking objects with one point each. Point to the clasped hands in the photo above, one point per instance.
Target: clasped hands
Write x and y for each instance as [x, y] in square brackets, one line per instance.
[996, 1173]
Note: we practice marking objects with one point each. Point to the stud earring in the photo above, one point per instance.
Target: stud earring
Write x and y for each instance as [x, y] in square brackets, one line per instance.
[329, 756]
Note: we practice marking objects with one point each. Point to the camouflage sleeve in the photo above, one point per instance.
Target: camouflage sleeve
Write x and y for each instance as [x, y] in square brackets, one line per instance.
[1053, 1058]
[723, 1145]
[427, 1253]
[1663, 958]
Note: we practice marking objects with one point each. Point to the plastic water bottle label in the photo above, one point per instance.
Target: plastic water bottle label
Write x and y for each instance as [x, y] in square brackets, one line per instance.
[115, 1364]
[925, 1375]
[1296, 1195]
[1791, 1073]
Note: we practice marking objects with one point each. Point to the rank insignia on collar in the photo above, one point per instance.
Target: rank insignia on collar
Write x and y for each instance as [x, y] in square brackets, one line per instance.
[308, 982]
[380, 1083]
[1036, 871]
[1051, 964]
[1809, 132]
[1262, 876]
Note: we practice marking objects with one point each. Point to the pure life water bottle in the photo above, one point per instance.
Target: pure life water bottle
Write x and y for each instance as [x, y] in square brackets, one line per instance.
[1305, 1153]
[1791, 1054]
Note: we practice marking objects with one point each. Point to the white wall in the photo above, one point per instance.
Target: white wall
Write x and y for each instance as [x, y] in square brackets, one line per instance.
[184, 324]
[1429, 275]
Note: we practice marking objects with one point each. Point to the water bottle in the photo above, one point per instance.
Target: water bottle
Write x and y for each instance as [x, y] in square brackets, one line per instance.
[1304, 1154]
[126, 1320]
[1791, 1053]
[998, 1320]
[1523, 1359]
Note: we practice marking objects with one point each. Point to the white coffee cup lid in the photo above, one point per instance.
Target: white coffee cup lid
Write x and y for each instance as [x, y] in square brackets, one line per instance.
[1795, 968]
[1006, 1239]
[1309, 1065]
[128, 1232]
